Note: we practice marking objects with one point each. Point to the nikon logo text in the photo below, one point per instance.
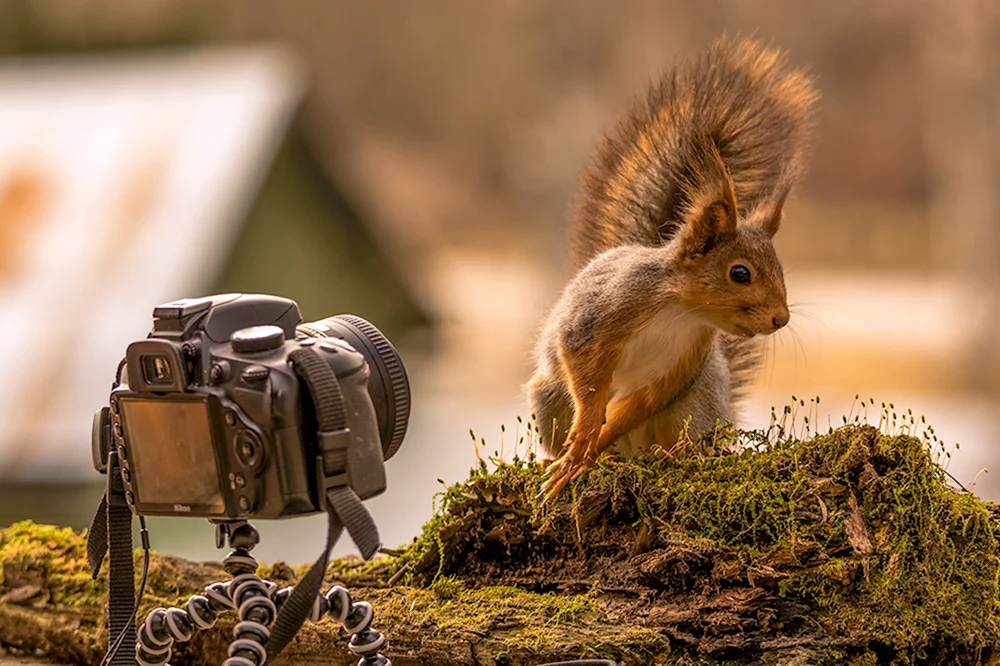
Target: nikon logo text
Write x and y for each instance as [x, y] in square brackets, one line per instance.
[182, 508]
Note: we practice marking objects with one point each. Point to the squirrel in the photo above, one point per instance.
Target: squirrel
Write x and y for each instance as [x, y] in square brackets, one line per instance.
[676, 270]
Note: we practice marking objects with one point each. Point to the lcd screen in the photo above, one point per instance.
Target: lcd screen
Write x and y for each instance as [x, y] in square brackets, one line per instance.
[171, 453]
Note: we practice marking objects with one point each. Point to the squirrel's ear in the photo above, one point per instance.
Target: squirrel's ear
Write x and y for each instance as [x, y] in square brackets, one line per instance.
[771, 220]
[710, 213]
[703, 232]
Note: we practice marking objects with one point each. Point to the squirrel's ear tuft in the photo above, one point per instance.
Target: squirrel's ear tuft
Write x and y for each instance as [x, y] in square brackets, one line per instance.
[771, 218]
[710, 213]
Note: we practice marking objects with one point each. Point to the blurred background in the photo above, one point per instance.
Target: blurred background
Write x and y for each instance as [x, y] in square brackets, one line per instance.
[415, 164]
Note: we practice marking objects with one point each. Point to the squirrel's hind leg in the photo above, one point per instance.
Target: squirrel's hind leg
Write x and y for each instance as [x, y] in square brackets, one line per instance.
[709, 399]
[552, 409]
[635, 441]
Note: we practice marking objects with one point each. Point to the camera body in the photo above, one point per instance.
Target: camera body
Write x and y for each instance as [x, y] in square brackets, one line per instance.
[213, 420]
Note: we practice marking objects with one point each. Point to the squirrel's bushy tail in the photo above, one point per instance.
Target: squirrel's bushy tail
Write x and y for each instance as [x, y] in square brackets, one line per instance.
[737, 96]
[737, 99]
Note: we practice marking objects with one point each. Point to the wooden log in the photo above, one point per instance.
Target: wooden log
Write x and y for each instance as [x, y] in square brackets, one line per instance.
[845, 548]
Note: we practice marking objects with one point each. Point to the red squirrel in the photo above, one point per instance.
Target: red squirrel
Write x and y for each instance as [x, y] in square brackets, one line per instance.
[676, 271]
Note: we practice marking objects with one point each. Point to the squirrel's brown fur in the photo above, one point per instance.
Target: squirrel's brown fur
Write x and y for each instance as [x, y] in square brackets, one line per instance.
[654, 328]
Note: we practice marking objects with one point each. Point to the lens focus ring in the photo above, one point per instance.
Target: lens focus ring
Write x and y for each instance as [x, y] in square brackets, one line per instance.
[388, 385]
[398, 389]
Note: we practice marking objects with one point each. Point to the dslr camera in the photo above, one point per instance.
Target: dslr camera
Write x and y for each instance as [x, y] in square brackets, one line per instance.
[232, 409]
[220, 412]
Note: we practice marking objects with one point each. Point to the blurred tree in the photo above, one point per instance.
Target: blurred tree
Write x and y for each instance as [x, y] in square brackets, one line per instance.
[960, 68]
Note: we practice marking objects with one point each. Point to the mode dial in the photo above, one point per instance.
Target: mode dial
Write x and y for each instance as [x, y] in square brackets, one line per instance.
[257, 339]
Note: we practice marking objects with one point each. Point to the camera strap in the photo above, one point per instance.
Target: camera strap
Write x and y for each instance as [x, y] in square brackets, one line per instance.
[343, 505]
[111, 530]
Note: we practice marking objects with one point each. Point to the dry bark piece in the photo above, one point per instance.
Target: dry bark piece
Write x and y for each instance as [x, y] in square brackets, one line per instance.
[857, 531]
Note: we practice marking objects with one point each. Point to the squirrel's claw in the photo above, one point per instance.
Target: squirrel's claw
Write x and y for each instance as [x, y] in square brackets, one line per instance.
[554, 485]
[559, 475]
[565, 469]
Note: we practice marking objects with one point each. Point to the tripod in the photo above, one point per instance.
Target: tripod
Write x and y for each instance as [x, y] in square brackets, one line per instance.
[256, 603]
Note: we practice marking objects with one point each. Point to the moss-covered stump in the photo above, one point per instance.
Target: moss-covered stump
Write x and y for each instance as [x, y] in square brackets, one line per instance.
[846, 548]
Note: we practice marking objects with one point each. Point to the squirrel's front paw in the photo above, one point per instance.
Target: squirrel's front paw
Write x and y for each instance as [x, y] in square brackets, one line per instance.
[574, 462]
[559, 475]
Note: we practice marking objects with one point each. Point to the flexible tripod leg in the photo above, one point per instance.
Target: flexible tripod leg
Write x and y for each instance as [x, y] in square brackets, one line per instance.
[256, 602]
[252, 598]
[246, 593]
[356, 618]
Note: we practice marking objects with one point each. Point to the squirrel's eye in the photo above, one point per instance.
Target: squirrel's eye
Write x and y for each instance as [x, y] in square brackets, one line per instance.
[739, 274]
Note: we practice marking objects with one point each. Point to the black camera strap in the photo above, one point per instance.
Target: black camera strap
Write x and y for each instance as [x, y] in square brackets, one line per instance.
[343, 505]
[111, 530]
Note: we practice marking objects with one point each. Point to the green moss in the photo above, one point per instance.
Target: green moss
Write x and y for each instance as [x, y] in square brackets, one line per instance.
[447, 588]
[52, 558]
[515, 626]
[765, 512]
[528, 617]
[638, 645]
[483, 608]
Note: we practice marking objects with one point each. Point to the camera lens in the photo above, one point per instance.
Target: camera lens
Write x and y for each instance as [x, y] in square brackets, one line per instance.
[388, 385]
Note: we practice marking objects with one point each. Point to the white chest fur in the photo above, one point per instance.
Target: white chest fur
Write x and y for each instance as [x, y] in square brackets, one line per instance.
[654, 350]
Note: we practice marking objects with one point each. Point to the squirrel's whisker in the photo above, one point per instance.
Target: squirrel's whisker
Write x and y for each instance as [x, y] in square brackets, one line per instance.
[814, 320]
[800, 347]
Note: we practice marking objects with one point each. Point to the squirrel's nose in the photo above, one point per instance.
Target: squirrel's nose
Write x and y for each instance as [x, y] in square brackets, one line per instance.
[780, 318]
